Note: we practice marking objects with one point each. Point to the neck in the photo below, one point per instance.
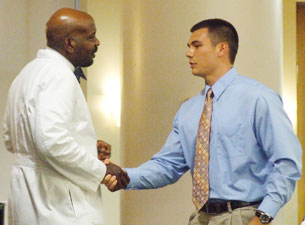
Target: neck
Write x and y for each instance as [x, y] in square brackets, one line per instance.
[212, 78]
[62, 52]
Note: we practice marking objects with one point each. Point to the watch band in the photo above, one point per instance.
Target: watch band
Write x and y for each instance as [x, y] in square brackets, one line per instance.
[265, 218]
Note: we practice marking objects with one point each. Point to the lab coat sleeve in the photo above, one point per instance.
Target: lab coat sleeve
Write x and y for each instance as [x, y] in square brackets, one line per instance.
[6, 131]
[54, 140]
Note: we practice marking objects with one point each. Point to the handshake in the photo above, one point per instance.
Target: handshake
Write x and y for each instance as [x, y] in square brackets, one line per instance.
[115, 178]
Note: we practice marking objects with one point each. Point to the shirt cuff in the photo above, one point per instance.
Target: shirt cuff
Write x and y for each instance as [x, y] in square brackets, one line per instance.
[269, 206]
[134, 178]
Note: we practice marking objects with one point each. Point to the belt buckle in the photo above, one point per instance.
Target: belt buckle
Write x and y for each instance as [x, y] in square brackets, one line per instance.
[216, 207]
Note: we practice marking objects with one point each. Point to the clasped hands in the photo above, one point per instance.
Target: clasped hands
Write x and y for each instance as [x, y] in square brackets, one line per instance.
[116, 178]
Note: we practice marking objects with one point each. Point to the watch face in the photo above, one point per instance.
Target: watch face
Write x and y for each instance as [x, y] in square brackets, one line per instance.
[265, 219]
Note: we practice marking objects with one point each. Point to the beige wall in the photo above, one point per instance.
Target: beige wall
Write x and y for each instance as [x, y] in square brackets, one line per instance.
[142, 55]
[104, 88]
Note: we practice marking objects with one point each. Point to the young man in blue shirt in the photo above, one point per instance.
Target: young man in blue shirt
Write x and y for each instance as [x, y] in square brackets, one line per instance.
[254, 155]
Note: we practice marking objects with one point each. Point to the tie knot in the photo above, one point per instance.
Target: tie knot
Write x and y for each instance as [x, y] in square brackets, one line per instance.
[210, 93]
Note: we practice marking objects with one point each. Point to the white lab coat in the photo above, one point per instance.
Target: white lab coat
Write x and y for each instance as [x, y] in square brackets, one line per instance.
[56, 177]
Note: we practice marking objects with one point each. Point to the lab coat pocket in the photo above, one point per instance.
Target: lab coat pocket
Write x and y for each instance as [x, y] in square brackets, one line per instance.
[53, 191]
[78, 201]
[72, 205]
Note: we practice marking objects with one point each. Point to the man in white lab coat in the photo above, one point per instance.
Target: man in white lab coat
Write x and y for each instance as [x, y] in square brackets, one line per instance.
[56, 175]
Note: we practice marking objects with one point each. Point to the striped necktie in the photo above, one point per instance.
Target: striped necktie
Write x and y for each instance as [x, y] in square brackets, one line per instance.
[201, 165]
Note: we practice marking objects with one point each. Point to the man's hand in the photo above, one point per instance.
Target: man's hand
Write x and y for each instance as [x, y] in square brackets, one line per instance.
[115, 178]
[103, 150]
[255, 221]
[110, 181]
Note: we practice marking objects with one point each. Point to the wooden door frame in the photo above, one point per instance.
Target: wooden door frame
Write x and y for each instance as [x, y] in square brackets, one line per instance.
[290, 81]
[301, 102]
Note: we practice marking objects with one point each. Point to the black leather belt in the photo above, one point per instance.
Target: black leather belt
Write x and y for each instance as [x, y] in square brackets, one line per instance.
[223, 206]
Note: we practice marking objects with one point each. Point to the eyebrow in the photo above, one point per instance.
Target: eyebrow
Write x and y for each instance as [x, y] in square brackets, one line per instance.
[92, 33]
[194, 42]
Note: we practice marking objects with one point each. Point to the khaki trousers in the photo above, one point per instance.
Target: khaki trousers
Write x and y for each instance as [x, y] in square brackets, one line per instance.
[240, 216]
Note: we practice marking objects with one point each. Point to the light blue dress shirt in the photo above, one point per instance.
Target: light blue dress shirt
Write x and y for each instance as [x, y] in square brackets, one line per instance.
[254, 153]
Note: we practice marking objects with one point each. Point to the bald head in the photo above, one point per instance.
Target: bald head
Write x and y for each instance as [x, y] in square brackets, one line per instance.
[72, 33]
[65, 23]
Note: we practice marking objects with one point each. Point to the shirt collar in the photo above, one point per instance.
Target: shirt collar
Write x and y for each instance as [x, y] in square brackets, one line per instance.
[51, 53]
[221, 84]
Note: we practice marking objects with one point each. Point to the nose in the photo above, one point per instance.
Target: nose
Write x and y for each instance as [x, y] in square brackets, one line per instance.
[189, 53]
[97, 42]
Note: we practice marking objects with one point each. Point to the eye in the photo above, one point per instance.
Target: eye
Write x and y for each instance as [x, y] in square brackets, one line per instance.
[91, 37]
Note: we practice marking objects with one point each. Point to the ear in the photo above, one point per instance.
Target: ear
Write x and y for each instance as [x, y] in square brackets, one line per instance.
[69, 45]
[223, 49]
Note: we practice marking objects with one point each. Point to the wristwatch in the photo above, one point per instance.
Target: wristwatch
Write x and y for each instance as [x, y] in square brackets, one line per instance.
[265, 218]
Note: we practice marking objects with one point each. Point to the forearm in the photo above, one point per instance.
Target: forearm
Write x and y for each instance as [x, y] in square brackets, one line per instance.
[74, 163]
[280, 186]
[153, 174]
